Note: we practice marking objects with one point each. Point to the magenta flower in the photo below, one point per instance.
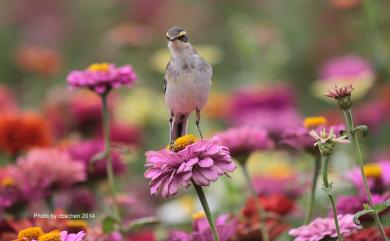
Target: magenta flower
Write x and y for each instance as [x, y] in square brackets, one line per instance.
[65, 236]
[288, 186]
[273, 109]
[339, 92]
[85, 151]
[321, 228]
[102, 77]
[202, 162]
[347, 67]
[42, 169]
[225, 224]
[177, 235]
[377, 183]
[346, 70]
[245, 140]
[354, 204]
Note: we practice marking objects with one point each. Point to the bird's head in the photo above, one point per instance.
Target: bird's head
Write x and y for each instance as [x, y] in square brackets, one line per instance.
[177, 39]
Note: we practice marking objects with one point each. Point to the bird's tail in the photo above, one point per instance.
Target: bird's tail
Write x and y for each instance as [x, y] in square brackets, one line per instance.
[179, 126]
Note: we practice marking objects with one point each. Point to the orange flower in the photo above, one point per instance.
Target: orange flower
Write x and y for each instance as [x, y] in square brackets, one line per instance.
[38, 59]
[20, 132]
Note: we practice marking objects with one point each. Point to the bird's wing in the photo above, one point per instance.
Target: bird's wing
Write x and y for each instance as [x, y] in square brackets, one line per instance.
[165, 78]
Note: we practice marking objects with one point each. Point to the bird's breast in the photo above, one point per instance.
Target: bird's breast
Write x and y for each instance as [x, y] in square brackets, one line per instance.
[188, 86]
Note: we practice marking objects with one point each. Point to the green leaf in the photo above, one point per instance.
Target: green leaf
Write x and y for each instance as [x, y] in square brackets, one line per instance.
[362, 213]
[140, 224]
[109, 224]
[363, 129]
[380, 207]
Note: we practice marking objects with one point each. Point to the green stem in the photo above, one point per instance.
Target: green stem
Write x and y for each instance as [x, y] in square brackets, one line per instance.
[107, 151]
[312, 197]
[327, 187]
[206, 209]
[360, 162]
[263, 227]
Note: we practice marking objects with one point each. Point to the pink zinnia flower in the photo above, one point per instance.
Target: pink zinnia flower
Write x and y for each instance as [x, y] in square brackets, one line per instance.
[273, 109]
[102, 77]
[85, 151]
[201, 162]
[339, 92]
[42, 169]
[244, 140]
[346, 70]
[65, 236]
[324, 227]
[225, 224]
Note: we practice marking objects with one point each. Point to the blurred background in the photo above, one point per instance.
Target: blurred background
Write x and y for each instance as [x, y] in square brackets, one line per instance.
[279, 55]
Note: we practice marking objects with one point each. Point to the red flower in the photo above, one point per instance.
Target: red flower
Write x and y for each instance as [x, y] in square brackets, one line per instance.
[20, 132]
[142, 236]
[368, 234]
[275, 203]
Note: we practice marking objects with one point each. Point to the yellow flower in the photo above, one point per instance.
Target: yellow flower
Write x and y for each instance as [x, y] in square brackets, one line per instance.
[314, 121]
[52, 236]
[77, 224]
[30, 233]
[102, 67]
[183, 141]
[372, 170]
[7, 182]
[198, 215]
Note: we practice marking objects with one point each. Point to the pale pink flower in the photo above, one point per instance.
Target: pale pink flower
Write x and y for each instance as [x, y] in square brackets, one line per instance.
[201, 162]
[102, 77]
[244, 140]
[339, 92]
[323, 136]
[42, 169]
[65, 236]
[324, 227]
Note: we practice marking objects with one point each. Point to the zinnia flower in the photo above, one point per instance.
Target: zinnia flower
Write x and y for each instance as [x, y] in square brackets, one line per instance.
[288, 186]
[248, 229]
[85, 151]
[42, 169]
[102, 77]
[225, 225]
[201, 162]
[326, 141]
[21, 132]
[273, 109]
[324, 227]
[378, 176]
[244, 140]
[354, 204]
[65, 236]
[368, 234]
[275, 203]
[344, 71]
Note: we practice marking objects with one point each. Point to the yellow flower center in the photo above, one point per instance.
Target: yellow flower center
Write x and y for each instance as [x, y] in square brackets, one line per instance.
[7, 182]
[198, 215]
[181, 142]
[314, 121]
[52, 236]
[102, 67]
[372, 170]
[30, 233]
[77, 224]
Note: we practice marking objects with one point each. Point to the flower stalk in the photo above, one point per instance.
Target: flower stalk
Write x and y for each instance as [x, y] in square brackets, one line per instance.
[107, 154]
[328, 189]
[263, 227]
[206, 209]
[360, 161]
[309, 213]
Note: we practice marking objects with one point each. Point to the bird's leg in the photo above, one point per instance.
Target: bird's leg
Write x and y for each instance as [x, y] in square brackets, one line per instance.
[197, 121]
[170, 130]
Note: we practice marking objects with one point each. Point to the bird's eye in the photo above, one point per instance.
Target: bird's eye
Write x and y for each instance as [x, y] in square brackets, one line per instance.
[183, 38]
[167, 37]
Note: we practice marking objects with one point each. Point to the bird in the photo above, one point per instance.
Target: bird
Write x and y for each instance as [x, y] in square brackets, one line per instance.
[187, 82]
